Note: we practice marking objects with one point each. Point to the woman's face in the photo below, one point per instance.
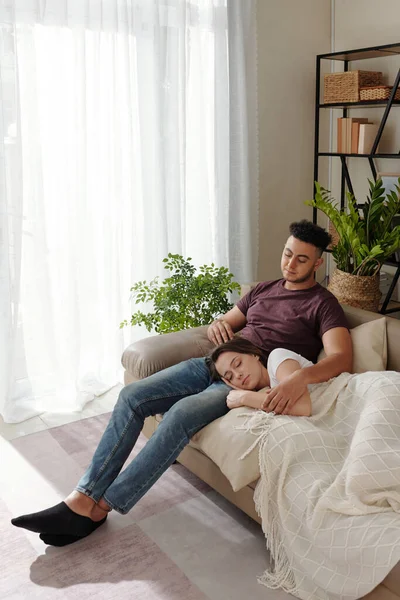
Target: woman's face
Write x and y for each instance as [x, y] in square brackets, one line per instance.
[243, 371]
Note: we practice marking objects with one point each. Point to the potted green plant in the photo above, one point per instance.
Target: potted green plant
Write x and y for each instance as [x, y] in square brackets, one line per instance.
[184, 299]
[365, 238]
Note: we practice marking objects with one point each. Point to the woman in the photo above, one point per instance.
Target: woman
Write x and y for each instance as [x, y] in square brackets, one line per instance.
[243, 366]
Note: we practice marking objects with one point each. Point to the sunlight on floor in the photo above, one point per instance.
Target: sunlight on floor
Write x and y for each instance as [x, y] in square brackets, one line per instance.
[100, 405]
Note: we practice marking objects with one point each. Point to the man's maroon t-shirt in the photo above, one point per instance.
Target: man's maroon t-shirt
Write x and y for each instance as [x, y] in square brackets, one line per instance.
[292, 319]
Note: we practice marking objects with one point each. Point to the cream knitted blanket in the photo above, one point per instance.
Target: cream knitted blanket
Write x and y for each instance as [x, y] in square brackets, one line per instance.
[329, 491]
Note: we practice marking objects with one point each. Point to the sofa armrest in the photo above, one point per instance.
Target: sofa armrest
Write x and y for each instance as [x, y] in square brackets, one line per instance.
[152, 354]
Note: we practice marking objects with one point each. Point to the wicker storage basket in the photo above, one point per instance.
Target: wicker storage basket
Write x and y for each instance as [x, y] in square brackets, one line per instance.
[345, 87]
[378, 92]
[355, 290]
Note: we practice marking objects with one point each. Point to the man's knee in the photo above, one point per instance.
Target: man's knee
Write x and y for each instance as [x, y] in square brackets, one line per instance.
[133, 395]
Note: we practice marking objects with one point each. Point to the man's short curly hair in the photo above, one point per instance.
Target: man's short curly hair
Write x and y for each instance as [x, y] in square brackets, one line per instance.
[308, 232]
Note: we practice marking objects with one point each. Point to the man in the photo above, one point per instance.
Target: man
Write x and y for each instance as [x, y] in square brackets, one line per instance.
[294, 313]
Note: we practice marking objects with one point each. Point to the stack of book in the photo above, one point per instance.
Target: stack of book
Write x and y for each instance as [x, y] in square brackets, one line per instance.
[355, 135]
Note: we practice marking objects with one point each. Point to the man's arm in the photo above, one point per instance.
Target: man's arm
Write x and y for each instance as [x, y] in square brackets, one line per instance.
[222, 329]
[339, 359]
[339, 356]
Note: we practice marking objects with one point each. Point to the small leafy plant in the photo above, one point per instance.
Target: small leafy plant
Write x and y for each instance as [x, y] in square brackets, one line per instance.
[184, 299]
[366, 238]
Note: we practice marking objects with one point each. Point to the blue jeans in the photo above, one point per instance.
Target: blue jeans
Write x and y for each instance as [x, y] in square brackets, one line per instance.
[189, 399]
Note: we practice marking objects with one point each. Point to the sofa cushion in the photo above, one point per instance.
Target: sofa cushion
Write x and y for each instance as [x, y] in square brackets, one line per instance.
[369, 346]
[221, 442]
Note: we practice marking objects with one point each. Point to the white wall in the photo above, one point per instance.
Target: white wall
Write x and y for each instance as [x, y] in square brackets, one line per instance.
[290, 35]
[361, 23]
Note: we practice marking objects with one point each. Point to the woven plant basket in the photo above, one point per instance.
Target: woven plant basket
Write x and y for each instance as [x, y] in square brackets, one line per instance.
[345, 87]
[334, 235]
[356, 290]
[378, 92]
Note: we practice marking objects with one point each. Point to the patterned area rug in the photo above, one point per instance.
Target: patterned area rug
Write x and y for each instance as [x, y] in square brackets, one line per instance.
[182, 541]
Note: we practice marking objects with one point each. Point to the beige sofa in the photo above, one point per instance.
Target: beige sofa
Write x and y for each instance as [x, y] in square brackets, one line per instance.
[155, 353]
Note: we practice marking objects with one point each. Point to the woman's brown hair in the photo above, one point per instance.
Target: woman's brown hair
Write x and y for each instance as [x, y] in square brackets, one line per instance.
[237, 344]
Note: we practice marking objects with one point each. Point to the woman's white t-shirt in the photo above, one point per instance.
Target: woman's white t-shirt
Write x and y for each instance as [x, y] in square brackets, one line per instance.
[277, 357]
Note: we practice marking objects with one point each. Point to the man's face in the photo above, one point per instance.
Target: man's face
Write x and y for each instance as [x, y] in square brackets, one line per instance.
[299, 261]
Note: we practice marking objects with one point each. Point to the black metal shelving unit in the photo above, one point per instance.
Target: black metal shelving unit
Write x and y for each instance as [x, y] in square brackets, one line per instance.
[346, 57]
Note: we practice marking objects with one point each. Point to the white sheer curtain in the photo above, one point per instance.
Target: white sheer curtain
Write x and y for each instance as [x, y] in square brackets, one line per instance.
[127, 131]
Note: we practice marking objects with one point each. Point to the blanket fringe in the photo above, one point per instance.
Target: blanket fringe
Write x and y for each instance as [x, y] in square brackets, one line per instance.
[257, 423]
[281, 575]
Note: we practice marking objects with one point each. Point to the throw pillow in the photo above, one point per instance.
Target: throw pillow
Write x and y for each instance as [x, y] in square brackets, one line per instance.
[224, 444]
[369, 346]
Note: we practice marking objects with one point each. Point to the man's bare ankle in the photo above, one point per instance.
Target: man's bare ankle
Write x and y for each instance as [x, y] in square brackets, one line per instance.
[103, 505]
[99, 510]
[80, 503]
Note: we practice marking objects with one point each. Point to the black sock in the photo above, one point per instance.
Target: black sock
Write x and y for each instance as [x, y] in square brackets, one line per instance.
[64, 540]
[59, 520]
[59, 540]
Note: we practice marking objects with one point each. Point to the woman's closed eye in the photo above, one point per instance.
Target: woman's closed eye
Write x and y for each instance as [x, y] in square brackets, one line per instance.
[235, 364]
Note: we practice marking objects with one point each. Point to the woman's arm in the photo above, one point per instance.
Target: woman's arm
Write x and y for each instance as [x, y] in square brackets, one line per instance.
[237, 398]
[339, 353]
[302, 408]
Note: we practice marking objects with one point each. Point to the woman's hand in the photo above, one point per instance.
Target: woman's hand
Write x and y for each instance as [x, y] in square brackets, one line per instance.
[237, 398]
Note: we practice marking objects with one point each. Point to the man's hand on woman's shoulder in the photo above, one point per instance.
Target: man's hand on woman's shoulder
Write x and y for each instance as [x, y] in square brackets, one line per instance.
[282, 398]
